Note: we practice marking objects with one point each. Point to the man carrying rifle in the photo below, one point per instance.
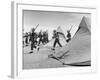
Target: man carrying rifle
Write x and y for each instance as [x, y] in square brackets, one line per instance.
[40, 37]
[68, 36]
[56, 37]
[33, 39]
[26, 38]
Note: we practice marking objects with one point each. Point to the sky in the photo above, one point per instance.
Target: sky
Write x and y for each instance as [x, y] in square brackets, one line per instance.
[49, 20]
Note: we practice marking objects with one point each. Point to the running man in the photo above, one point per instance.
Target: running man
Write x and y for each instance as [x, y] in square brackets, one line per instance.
[56, 37]
[33, 38]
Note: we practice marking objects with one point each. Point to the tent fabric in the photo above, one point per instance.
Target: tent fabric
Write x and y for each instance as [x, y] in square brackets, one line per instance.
[84, 24]
[59, 30]
[61, 33]
[79, 47]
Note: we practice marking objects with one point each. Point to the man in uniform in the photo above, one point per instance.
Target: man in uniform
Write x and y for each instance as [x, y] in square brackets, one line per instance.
[26, 39]
[56, 37]
[33, 40]
[40, 37]
[68, 36]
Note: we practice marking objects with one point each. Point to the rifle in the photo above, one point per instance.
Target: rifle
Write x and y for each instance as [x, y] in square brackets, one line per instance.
[70, 28]
[36, 26]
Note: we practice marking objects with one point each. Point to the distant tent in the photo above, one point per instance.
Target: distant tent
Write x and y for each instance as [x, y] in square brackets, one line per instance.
[59, 29]
[61, 33]
[61, 37]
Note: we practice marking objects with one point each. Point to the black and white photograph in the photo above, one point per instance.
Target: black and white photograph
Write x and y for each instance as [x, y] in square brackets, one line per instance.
[54, 39]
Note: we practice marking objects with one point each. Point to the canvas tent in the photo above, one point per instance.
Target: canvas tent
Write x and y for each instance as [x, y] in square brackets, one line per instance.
[80, 45]
[61, 33]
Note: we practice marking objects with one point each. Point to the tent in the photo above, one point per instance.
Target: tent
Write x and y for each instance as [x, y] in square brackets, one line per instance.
[80, 45]
[61, 35]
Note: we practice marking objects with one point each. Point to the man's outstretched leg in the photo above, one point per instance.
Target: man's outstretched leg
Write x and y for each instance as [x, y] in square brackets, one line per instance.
[31, 48]
[59, 43]
[55, 42]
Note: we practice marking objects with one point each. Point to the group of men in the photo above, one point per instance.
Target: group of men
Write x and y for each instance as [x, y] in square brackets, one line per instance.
[35, 39]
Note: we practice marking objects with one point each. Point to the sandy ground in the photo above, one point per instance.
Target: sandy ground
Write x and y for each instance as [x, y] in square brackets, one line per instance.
[41, 60]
